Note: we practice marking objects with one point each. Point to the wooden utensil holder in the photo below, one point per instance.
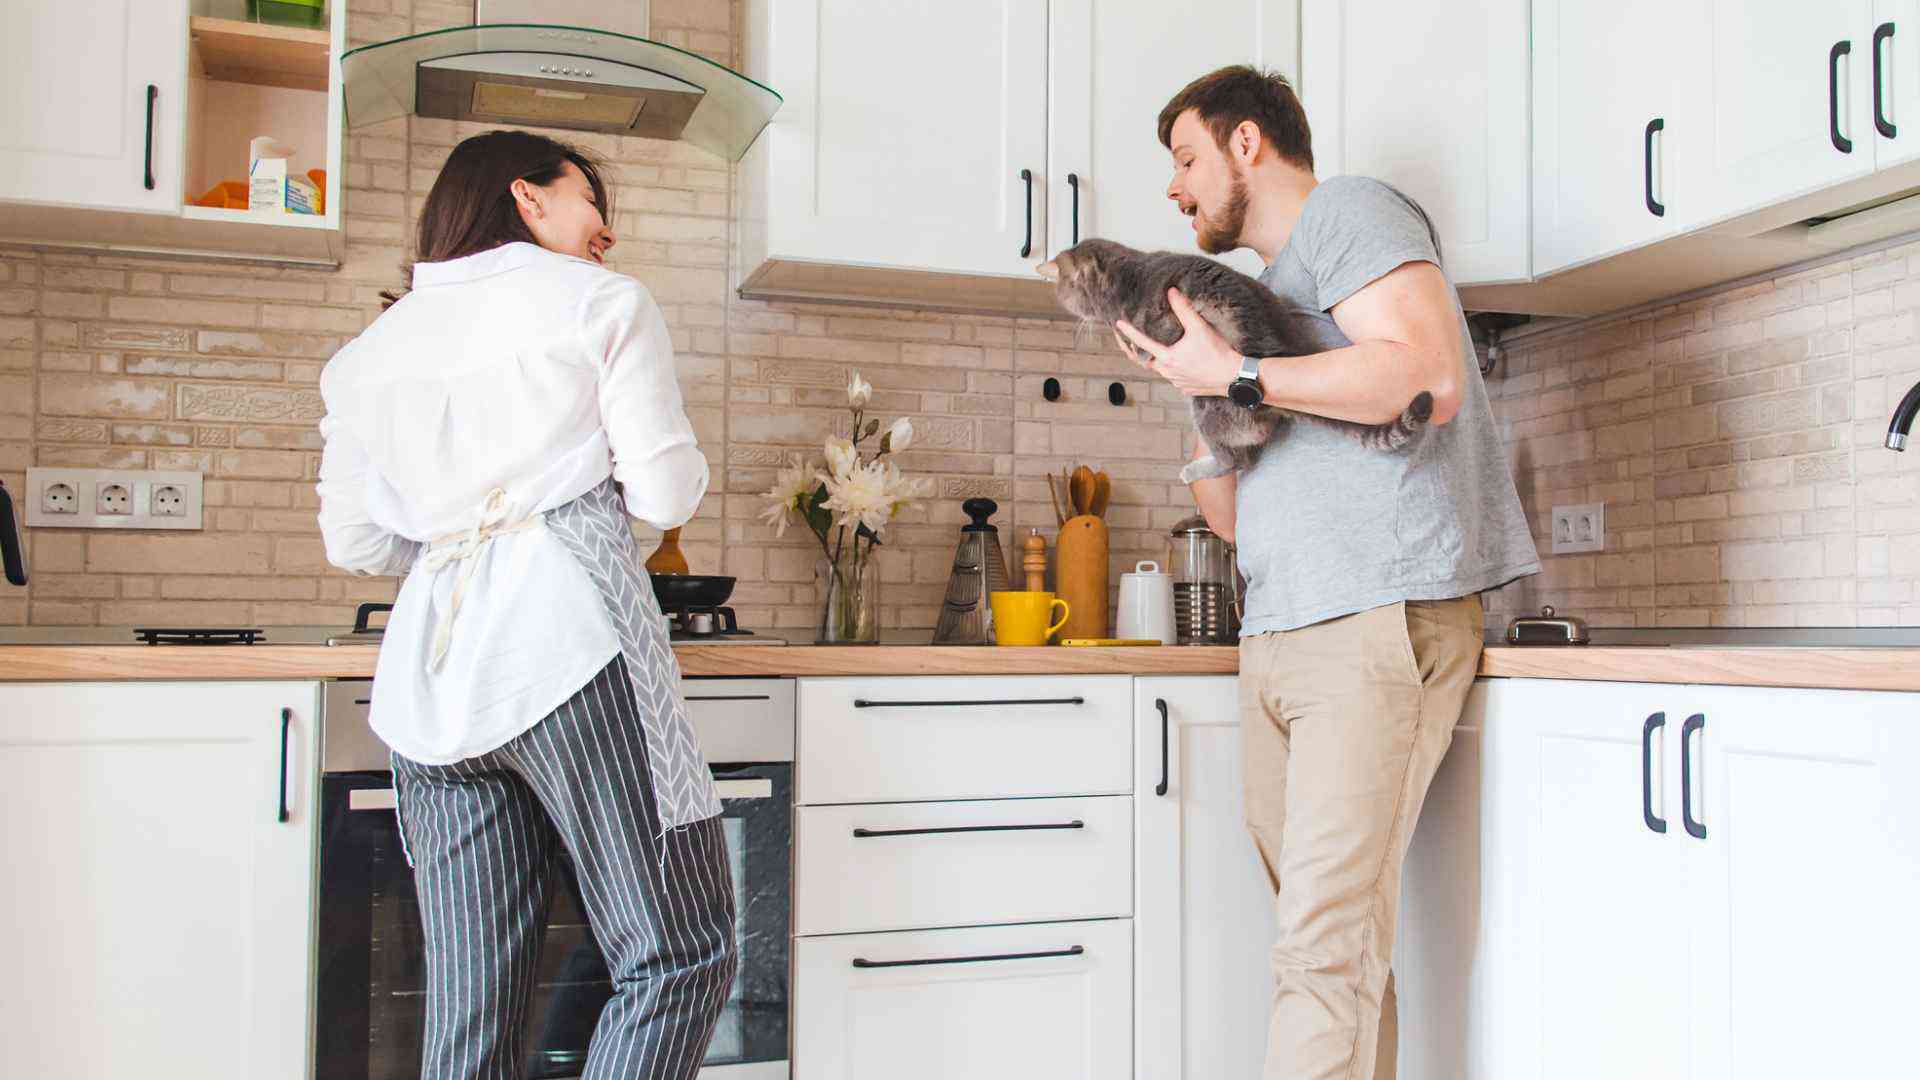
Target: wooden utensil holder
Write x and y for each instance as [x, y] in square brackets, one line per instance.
[1080, 576]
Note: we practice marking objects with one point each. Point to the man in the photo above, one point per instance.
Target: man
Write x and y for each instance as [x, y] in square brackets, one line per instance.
[1362, 625]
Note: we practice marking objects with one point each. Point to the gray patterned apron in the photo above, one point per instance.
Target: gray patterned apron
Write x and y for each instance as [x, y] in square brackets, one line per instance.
[595, 528]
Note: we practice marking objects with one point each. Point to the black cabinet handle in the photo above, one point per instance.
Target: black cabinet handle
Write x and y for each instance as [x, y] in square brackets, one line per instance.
[1654, 208]
[1881, 35]
[152, 93]
[1695, 828]
[1161, 787]
[863, 703]
[729, 697]
[1840, 142]
[865, 833]
[1654, 723]
[1073, 181]
[286, 721]
[1077, 950]
[1026, 246]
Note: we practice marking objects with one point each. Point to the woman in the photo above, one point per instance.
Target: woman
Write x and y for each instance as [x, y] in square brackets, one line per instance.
[475, 434]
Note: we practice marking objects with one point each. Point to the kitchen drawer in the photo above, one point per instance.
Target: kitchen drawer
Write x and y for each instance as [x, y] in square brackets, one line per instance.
[904, 739]
[897, 866]
[1051, 1001]
[740, 720]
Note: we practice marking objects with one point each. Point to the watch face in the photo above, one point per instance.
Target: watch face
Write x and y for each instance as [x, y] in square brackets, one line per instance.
[1244, 392]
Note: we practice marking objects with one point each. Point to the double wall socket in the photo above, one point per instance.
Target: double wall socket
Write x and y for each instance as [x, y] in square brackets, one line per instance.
[1582, 527]
[112, 499]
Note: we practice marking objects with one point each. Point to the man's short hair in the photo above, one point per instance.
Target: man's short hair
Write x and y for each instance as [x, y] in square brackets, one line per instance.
[1226, 97]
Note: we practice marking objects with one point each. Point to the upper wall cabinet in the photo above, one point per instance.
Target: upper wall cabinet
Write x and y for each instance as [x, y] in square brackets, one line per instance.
[94, 102]
[1431, 98]
[140, 109]
[936, 154]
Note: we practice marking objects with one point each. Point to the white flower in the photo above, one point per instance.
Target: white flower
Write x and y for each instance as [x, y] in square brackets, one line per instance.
[790, 490]
[900, 435]
[859, 391]
[841, 458]
[869, 495]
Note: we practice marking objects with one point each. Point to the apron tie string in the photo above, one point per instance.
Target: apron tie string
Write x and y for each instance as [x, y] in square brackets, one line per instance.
[463, 548]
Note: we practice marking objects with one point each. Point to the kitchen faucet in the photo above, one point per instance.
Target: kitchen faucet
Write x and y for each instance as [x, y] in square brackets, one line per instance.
[1903, 419]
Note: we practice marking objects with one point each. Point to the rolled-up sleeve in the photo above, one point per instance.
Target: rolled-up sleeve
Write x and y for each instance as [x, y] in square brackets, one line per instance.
[354, 541]
[656, 461]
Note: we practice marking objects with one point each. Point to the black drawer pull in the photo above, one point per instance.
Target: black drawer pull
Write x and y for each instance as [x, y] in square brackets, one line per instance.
[1077, 950]
[1161, 787]
[152, 93]
[1695, 827]
[1654, 723]
[729, 697]
[1655, 208]
[286, 721]
[1840, 142]
[1073, 181]
[1881, 34]
[863, 703]
[865, 833]
[1026, 246]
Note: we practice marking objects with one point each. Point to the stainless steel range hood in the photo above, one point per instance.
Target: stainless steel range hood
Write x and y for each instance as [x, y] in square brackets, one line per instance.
[508, 68]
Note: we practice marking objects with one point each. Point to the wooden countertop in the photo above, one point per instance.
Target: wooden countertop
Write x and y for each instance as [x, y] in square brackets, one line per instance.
[1856, 669]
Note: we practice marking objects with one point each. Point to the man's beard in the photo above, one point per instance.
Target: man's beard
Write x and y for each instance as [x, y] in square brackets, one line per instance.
[1217, 236]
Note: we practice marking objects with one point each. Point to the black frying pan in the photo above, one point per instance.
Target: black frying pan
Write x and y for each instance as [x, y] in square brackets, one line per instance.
[678, 592]
[15, 564]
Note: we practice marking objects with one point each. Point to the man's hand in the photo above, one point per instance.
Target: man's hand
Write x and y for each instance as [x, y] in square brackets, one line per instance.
[1200, 364]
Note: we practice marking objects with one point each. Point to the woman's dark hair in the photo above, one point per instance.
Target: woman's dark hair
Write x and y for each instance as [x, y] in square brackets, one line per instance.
[1225, 97]
[470, 208]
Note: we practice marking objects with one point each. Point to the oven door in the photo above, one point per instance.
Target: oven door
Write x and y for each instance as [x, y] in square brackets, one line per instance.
[370, 1002]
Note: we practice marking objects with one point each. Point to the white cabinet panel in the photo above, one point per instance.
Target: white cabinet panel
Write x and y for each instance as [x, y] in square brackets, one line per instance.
[1897, 38]
[1204, 914]
[1770, 132]
[1038, 1002]
[75, 78]
[1808, 875]
[1431, 98]
[905, 131]
[152, 884]
[1604, 74]
[1105, 101]
[900, 866]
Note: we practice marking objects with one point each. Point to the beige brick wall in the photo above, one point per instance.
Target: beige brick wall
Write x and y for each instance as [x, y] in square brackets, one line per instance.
[146, 363]
[1736, 440]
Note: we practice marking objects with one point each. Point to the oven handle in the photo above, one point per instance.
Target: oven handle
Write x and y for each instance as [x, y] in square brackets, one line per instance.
[372, 799]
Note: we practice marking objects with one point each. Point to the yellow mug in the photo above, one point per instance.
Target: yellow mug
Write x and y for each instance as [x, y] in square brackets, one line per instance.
[1020, 618]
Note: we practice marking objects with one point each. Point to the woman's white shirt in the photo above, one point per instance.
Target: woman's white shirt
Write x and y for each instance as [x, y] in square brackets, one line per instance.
[517, 369]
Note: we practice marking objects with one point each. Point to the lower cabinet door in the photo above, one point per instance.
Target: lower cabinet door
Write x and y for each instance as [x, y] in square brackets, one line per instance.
[1041, 1001]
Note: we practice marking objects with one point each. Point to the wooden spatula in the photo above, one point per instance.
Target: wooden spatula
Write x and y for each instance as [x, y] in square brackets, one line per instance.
[1081, 489]
[1102, 491]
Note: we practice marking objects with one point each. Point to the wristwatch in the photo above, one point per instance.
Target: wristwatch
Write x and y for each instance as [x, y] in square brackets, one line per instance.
[1245, 391]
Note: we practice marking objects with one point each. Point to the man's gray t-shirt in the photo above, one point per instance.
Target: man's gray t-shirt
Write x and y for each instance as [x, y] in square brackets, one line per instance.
[1327, 527]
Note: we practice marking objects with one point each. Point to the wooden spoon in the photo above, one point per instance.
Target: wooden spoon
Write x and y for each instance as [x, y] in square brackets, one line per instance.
[1081, 488]
[667, 559]
[1102, 491]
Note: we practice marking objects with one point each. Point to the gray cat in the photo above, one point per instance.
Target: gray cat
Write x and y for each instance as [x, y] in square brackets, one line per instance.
[1103, 281]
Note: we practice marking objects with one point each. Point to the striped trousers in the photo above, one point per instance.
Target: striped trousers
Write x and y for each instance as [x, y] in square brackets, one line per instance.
[482, 834]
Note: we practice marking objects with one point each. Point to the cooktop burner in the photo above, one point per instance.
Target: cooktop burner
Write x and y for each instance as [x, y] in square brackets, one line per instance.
[156, 635]
[712, 626]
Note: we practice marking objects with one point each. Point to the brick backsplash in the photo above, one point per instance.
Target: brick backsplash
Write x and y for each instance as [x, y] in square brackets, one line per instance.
[125, 361]
[1734, 437]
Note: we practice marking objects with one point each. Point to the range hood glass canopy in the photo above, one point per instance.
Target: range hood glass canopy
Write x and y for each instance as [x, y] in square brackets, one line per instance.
[557, 76]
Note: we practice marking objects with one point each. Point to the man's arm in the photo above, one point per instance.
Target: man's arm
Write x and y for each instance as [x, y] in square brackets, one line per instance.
[1215, 496]
[1406, 339]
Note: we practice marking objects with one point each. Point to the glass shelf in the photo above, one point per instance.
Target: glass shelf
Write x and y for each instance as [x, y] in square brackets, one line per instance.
[381, 79]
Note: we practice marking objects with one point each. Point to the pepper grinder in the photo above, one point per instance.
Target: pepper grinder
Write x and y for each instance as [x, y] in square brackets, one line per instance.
[1034, 561]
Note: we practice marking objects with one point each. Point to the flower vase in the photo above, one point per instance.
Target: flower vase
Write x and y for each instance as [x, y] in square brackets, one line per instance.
[850, 612]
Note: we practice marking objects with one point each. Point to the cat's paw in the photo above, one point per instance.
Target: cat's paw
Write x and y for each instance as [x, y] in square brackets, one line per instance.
[1205, 468]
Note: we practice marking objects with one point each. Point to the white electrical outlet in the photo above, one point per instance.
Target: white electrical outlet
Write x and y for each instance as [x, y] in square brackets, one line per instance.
[1581, 527]
[112, 499]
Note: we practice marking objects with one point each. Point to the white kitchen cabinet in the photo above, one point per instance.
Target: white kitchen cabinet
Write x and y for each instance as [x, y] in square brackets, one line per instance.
[1587, 905]
[1046, 1001]
[1619, 101]
[95, 100]
[1113, 65]
[1203, 909]
[1803, 847]
[158, 908]
[1896, 36]
[1431, 98]
[1770, 133]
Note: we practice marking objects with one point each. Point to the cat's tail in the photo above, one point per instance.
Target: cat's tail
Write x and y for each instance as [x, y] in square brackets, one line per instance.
[1404, 430]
